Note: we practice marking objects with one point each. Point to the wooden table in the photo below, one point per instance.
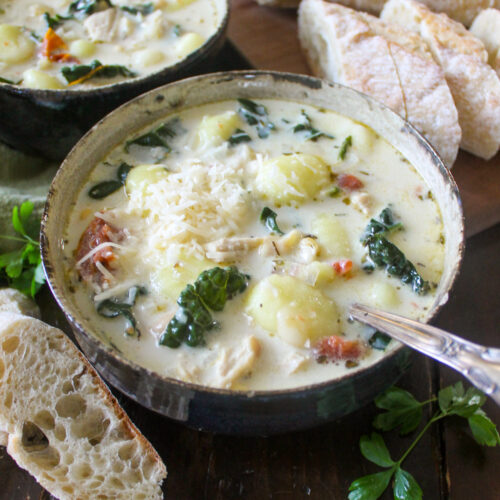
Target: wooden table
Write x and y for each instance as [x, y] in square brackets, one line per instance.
[321, 463]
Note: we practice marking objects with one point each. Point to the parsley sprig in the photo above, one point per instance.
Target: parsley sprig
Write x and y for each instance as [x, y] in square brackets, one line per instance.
[22, 269]
[403, 411]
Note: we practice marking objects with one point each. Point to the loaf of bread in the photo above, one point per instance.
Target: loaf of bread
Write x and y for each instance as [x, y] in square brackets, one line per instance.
[12, 300]
[486, 27]
[61, 422]
[473, 83]
[463, 11]
[384, 61]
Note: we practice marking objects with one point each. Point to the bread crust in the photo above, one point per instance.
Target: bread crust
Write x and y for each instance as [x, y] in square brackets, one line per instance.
[486, 27]
[384, 61]
[473, 83]
[43, 378]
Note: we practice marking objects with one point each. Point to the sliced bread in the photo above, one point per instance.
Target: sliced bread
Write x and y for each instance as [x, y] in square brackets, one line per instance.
[464, 10]
[63, 424]
[384, 61]
[12, 300]
[473, 83]
[486, 27]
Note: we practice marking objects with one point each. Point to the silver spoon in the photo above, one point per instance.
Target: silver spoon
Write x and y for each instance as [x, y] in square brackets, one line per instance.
[479, 364]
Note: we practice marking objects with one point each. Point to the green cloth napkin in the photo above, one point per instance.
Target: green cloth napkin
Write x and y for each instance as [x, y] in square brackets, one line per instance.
[22, 177]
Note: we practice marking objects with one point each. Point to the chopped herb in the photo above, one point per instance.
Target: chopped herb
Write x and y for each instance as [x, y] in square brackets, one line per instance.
[405, 412]
[441, 239]
[82, 72]
[22, 269]
[256, 115]
[311, 133]
[122, 306]
[157, 137]
[382, 225]
[211, 290]
[239, 136]
[105, 188]
[144, 9]
[177, 30]
[87, 7]
[268, 218]
[335, 192]
[33, 35]
[379, 341]
[5, 80]
[56, 20]
[345, 146]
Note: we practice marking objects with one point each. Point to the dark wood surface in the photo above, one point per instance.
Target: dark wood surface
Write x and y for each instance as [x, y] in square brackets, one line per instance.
[321, 463]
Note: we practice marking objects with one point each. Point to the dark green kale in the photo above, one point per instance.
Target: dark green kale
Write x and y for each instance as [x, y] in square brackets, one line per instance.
[56, 20]
[95, 70]
[345, 146]
[383, 253]
[311, 133]
[382, 225]
[256, 115]
[105, 188]
[158, 137]
[268, 218]
[211, 290]
[379, 341]
[87, 7]
[238, 137]
[144, 9]
[122, 306]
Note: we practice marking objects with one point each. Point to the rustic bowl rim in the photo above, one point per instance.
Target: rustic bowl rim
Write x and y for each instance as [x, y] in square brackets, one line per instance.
[123, 85]
[311, 83]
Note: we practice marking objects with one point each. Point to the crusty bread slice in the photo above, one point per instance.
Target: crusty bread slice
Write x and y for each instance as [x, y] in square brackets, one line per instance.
[486, 27]
[384, 61]
[464, 11]
[63, 424]
[474, 84]
[12, 300]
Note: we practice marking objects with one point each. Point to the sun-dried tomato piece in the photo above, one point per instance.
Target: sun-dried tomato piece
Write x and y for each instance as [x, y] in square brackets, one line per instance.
[342, 266]
[350, 182]
[335, 348]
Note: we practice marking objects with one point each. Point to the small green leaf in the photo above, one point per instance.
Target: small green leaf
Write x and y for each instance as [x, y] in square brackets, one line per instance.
[453, 400]
[405, 486]
[483, 429]
[345, 146]
[14, 267]
[379, 341]
[16, 221]
[370, 487]
[268, 218]
[395, 398]
[374, 449]
[26, 210]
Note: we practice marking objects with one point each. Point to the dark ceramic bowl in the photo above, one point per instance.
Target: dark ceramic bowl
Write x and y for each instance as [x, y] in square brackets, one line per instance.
[221, 410]
[50, 122]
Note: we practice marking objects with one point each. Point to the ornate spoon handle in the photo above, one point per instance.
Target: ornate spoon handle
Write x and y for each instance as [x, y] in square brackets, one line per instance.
[480, 364]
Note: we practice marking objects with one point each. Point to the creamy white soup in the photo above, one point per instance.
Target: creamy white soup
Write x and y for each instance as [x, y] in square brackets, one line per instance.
[224, 245]
[65, 44]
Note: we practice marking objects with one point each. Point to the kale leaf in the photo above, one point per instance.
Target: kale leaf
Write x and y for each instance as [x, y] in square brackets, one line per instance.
[211, 290]
[268, 218]
[105, 188]
[95, 70]
[383, 225]
[346, 144]
[144, 9]
[256, 115]
[87, 7]
[158, 136]
[311, 133]
[239, 136]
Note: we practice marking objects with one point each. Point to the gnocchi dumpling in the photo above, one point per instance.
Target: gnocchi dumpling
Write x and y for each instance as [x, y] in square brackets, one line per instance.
[148, 57]
[292, 178]
[171, 280]
[82, 48]
[15, 46]
[36, 79]
[174, 4]
[332, 235]
[188, 43]
[141, 176]
[293, 310]
[384, 295]
[213, 130]
[363, 137]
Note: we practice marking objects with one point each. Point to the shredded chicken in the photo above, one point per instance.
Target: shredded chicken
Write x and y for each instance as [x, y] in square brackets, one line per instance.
[362, 201]
[230, 249]
[101, 25]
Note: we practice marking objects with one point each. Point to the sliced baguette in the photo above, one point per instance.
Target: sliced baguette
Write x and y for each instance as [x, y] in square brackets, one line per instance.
[14, 301]
[384, 61]
[474, 84]
[464, 11]
[63, 424]
[486, 27]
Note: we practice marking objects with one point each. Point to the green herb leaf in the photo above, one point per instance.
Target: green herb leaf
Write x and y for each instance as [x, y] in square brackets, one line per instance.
[403, 411]
[483, 429]
[144, 9]
[379, 341]
[346, 144]
[103, 189]
[123, 171]
[382, 225]
[454, 400]
[374, 449]
[87, 7]
[55, 21]
[335, 192]
[95, 70]
[370, 487]
[311, 133]
[158, 137]
[238, 137]
[6, 80]
[256, 114]
[405, 486]
[268, 218]
[211, 290]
